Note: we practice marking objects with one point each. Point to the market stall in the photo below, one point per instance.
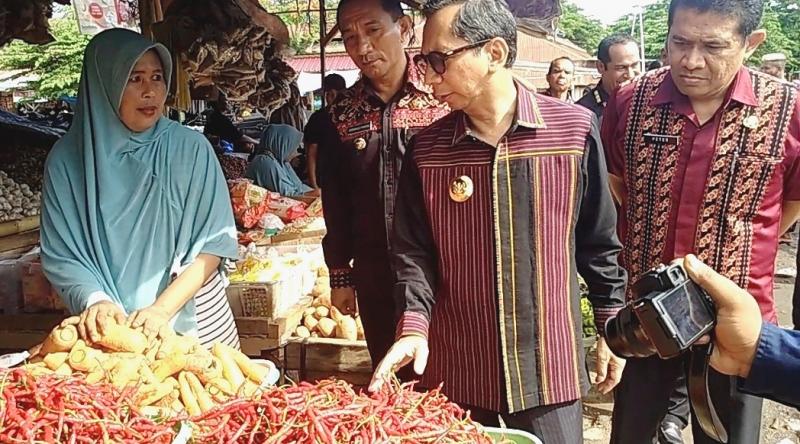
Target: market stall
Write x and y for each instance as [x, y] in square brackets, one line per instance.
[169, 389]
[127, 387]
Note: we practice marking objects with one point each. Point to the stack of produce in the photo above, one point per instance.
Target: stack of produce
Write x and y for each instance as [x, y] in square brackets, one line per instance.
[170, 373]
[323, 320]
[332, 412]
[65, 409]
[53, 408]
[24, 163]
[17, 201]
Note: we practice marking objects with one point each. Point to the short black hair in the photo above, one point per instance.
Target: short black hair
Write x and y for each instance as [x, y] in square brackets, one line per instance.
[654, 65]
[333, 82]
[553, 63]
[747, 12]
[604, 48]
[392, 7]
[481, 20]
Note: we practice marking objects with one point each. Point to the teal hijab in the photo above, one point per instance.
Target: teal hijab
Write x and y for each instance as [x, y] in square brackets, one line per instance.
[270, 166]
[124, 212]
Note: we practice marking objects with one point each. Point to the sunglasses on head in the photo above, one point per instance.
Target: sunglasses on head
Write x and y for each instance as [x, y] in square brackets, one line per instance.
[437, 60]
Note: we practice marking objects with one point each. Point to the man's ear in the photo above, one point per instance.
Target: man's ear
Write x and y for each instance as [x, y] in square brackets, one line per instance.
[601, 67]
[755, 40]
[498, 51]
[406, 29]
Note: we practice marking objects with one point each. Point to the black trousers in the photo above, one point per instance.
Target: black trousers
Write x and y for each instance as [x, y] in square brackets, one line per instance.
[557, 423]
[374, 282]
[678, 408]
[796, 296]
[643, 395]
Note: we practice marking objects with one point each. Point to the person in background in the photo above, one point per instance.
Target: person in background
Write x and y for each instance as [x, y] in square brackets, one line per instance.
[560, 76]
[774, 64]
[374, 121]
[269, 164]
[292, 112]
[618, 63]
[218, 124]
[317, 132]
[501, 204]
[136, 217]
[654, 65]
[705, 159]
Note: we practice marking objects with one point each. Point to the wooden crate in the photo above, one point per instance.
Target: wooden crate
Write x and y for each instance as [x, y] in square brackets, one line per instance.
[320, 358]
[26, 239]
[259, 334]
[23, 331]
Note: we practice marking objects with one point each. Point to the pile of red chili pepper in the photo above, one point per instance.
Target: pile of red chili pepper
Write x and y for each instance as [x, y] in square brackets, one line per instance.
[58, 409]
[330, 411]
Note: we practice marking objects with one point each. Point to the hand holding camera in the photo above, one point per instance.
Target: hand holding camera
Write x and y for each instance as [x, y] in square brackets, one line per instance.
[738, 326]
[672, 310]
[678, 306]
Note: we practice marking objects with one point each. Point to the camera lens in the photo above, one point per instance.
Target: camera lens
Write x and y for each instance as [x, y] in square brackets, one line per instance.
[625, 336]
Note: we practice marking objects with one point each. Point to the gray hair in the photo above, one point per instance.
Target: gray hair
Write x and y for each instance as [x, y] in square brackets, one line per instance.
[479, 20]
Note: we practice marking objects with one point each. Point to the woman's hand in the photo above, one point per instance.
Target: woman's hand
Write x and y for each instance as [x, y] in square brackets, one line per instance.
[94, 320]
[151, 319]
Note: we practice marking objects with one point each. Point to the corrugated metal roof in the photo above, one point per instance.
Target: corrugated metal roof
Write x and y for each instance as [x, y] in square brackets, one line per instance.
[16, 79]
[531, 48]
[333, 62]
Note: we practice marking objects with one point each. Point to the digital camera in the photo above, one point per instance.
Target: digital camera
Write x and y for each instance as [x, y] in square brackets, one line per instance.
[669, 314]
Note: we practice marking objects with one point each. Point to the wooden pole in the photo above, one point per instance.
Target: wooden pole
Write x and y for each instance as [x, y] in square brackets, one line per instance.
[322, 43]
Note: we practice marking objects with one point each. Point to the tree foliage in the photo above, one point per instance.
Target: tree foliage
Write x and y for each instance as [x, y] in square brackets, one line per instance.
[584, 31]
[781, 21]
[302, 19]
[655, 28]
[58, 64]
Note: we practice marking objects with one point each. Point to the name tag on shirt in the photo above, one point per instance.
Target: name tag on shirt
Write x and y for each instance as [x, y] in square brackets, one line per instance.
[662, 139]
[364, 127]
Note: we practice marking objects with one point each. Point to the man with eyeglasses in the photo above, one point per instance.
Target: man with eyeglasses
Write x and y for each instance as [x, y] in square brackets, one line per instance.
[618, 62]
[373, 122]
[501, 204]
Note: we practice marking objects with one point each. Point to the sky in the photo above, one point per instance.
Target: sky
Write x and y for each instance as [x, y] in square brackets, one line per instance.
[609, 11]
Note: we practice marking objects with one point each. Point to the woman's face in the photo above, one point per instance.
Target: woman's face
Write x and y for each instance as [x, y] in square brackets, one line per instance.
[145, 93]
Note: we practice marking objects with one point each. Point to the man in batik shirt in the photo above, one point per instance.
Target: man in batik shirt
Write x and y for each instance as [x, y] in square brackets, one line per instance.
[704, 157]
[373, 120]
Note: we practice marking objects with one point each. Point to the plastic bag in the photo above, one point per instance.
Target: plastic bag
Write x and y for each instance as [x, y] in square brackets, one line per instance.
[249, 202]
[271, 223]
[287, 209]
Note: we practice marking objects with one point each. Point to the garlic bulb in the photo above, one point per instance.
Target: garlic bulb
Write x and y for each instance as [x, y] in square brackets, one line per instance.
[17, 200]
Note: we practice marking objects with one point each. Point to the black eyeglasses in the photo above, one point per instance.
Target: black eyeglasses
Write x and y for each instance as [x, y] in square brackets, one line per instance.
[437, 59]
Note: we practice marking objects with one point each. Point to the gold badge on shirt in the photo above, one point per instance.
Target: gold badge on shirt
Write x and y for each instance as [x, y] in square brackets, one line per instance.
[751, 122]
[360, 143]
[461, 189]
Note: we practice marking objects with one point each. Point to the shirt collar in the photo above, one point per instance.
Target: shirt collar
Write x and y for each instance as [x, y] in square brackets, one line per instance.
[528, 114]
[741, 91]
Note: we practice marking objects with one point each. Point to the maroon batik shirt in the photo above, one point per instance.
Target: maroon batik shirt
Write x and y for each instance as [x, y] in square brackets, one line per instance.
[716, 190]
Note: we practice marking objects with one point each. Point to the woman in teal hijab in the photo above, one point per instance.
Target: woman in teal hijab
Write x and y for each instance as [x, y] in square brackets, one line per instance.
[270, 167]
[135, 215]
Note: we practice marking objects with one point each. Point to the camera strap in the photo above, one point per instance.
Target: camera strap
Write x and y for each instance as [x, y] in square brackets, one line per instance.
[700, 396]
